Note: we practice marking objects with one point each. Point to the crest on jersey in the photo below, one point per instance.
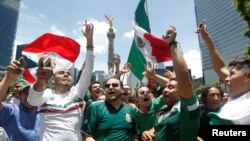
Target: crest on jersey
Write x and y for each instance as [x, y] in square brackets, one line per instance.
[128, 118]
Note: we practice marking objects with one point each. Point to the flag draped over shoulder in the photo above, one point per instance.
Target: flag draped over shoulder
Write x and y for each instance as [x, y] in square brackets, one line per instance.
[63, 51]
[154, 49]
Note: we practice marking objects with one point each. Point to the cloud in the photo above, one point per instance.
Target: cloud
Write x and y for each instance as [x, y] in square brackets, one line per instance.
[193, 60]
[23, 6]
[55, 30]
[100, 44]
[129, 34]
[100, 36]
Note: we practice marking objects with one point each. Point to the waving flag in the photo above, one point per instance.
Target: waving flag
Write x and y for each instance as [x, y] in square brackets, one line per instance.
[154, 49]
[63, 50]
[136, 58]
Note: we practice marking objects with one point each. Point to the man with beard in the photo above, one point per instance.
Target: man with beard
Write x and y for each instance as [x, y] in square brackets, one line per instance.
[61, 108]
[110, 120]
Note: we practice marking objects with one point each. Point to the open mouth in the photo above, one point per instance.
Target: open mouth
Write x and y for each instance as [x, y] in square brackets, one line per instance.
[146, 99]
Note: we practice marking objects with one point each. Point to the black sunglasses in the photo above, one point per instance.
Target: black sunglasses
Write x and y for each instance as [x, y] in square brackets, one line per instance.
[112, 84]
[145, 92]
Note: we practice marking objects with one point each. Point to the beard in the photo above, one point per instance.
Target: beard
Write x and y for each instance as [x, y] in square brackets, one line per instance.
[113, 97]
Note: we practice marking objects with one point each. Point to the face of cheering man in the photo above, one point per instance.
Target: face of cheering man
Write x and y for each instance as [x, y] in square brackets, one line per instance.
[144, 96]
[113, 90]
[63, 78]
[170, 94]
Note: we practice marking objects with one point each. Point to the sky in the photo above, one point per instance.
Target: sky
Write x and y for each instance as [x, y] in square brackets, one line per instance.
[65, 17]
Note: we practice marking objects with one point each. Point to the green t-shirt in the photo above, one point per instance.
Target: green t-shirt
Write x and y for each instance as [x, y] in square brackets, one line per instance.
[105, 123]
[181, 123]
[145, 121]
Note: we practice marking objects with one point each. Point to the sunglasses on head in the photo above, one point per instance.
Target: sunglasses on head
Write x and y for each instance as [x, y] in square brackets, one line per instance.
[145, 92]
[112, 84]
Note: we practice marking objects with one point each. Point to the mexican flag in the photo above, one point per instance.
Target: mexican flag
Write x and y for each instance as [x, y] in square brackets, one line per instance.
[62, 50]
[136, 58]
[153, 49]
[139, 57]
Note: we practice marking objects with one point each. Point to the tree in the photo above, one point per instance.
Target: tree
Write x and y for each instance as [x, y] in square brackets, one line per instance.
[243, 7]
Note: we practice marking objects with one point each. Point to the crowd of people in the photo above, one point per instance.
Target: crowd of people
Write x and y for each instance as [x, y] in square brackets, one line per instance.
[116, 109]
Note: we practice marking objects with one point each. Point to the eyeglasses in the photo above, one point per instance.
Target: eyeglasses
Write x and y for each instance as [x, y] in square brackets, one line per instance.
[145, 92]
[112, 84]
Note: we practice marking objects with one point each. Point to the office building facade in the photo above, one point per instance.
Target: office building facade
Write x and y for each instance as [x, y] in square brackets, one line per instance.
[9, 10]
[226, 28]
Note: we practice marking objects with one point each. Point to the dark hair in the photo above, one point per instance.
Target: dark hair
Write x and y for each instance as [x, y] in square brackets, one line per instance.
[121, 84]
[137, 89]
[205, 90]
[95, 82]
[240, 62]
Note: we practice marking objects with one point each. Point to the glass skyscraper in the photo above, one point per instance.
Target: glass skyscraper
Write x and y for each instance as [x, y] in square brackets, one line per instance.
[226, 28]
[9, 10]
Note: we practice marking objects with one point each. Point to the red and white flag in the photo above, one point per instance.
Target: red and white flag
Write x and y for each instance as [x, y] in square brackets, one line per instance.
[154, 49]
[63, 50]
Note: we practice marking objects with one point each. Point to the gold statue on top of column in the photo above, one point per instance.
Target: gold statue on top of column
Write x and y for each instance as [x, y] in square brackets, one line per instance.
[110, 20]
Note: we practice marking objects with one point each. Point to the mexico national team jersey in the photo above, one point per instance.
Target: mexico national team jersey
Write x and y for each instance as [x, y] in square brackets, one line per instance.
[181, 123]
[145, 121]
[105, 123]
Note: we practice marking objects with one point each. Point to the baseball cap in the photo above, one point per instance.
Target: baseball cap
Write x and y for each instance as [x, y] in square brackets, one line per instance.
[24, 84]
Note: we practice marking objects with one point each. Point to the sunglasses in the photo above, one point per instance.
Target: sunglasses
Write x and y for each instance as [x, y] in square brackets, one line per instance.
[114, 85]
[145, 92]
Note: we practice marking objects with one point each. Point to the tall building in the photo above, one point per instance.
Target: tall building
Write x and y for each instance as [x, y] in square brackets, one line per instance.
[226, 28]
[9, 10]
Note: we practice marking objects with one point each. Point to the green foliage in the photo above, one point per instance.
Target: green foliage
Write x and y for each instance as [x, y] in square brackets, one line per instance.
[243, 7]
[197, 87]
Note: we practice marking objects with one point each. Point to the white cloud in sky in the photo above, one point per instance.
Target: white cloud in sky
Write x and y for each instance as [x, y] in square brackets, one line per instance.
[55, 30]
[23, 6]
[100, 44]
[193, 60]
[100, 36]
[129, 34]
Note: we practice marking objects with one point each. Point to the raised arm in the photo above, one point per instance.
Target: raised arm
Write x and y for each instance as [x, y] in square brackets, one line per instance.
[85, 77]
[216, 58]
[150, 73]
[9, 77]
[184, 85]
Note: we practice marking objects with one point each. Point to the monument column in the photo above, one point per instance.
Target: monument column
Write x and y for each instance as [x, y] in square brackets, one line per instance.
[111, 36]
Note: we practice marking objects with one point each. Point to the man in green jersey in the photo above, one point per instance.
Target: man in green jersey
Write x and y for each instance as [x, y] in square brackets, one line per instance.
[110, 120]
[179, 120]
[149, 106]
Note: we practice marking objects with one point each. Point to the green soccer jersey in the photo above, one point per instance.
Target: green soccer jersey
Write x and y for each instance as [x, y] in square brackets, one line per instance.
[145, 121]
[105, 123]
[181, 123]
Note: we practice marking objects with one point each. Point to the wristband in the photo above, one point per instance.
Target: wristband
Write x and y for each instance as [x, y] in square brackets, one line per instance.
[173, 43]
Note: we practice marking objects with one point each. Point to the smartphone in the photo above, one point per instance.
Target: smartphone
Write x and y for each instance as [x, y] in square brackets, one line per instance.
[23, 64]
[202, 23]
[46, 62]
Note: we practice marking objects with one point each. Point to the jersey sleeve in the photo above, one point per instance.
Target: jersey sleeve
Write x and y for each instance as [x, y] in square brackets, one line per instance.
[189, 119]
[90, 120]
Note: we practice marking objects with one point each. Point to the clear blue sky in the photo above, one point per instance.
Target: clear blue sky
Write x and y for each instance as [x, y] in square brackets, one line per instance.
[65, 17]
